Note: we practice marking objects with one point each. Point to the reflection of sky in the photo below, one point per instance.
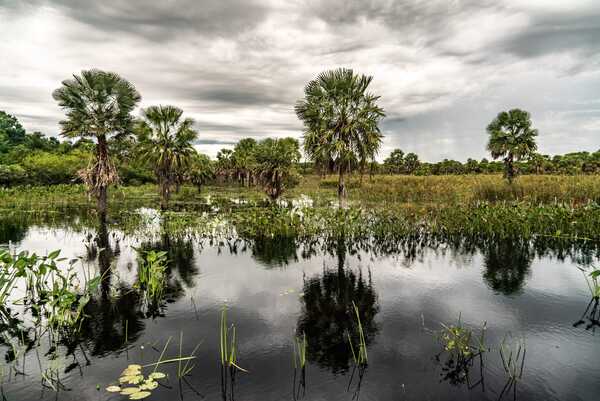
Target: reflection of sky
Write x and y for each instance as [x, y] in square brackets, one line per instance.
[265, 304]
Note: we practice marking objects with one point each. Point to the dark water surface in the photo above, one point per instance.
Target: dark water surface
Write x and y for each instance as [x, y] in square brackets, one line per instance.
[278, 287]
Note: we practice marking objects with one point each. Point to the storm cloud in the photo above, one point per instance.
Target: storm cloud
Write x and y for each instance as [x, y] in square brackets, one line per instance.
[443, 68]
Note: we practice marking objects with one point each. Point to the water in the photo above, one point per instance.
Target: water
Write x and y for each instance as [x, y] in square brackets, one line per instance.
[279, 287]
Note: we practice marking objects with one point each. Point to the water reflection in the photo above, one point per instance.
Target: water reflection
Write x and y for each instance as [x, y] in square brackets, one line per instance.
[507, 264]
[327, 315]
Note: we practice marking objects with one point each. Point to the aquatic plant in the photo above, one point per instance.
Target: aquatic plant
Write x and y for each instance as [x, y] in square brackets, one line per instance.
[135, 384]
[228, 343]
[513, 362]
[360, 355]
[459, 340]
[299, 347]
[462, 348]
[152, 276]
[592, 280]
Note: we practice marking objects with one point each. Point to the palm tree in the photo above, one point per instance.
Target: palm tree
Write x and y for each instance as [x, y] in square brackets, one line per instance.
[98, 105]
[166, 141]
[513, 138]
[275, 165]
[341, 121]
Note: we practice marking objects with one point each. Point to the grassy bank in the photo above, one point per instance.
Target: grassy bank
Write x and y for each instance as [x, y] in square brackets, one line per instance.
[378, 191]
[560, 207]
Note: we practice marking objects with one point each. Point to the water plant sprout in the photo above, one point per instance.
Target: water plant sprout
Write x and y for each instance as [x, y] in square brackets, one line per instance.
[299, 347]
[360, 354]
[228, 343]
[513, 362]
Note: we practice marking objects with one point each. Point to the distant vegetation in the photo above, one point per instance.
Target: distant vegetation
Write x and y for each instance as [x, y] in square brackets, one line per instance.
[105, 144]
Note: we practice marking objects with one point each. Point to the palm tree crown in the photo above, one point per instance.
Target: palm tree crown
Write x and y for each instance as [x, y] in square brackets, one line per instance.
[512, 137]
[166, 142]
[98, 104]
[341, 120]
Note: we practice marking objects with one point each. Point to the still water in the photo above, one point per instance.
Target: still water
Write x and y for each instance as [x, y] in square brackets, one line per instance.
[276, 288]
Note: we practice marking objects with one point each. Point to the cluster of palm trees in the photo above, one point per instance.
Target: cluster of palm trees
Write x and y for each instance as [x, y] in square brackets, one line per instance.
[99, 105]
[341, 133]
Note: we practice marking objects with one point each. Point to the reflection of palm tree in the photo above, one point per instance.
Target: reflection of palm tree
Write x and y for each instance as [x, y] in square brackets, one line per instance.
[328, 315]
[277, 251]
[507, 264]
[114, 322]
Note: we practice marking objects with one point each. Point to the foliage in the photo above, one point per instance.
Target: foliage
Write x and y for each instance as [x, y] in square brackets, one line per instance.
[135, 384]
[98, 104]
[165, 139]
[200, 171]
[152, 276]
[275, 161]
[341, 121]
[513, 138]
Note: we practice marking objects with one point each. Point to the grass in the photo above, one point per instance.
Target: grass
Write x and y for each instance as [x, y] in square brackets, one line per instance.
[359, 352]
[513, 362]
[592, 280]
[299, 347]
[228, 343]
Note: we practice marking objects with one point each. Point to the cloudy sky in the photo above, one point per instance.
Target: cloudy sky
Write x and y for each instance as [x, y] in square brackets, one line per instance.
[443, 68]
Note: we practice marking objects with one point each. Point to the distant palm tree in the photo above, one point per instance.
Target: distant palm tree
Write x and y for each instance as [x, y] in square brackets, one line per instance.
[341, 121]
[98, 104]
[513, 138]
[166, 142]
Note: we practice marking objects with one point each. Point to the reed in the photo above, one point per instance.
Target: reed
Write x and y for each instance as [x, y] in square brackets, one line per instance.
[299, 347]
[228, 343]
[359, 354]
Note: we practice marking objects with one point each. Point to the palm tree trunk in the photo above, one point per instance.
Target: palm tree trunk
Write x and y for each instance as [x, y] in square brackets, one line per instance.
[341, 188]
[102, 190]
[164, 193]
[510, 169]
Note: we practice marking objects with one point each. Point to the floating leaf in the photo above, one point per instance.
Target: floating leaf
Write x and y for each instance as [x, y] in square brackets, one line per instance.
[149, 385]
[113, 389]
[130, 390]
[157, 375]
[139, 395]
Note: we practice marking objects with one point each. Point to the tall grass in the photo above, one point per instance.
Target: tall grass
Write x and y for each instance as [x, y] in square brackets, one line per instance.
[228, 343]
[359, 352]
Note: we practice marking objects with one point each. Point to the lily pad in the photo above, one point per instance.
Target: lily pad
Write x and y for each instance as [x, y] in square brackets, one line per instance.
[113, 389]
[130, 390]
[157, 375]
[140, 395]
[149, 385]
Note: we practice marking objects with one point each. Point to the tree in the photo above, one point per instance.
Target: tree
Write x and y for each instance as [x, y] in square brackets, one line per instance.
[244, 160]
[166, 138]
[411, 163]
[341, 121]
[98, 105]
[11, 131]
[512, 138]
[394, 161]
[275, 165]
[225, 164]
[200, 171]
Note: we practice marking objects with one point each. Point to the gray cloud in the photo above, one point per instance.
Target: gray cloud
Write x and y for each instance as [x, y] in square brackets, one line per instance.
[159, 20]
[443, 69]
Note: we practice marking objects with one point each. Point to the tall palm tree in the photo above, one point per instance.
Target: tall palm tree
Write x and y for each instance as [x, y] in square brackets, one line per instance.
[341, 121]
[513, 138]
[98, 105]
[165, 139]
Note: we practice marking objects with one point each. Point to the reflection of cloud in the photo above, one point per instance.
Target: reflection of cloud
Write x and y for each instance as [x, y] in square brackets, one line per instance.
[444, 69]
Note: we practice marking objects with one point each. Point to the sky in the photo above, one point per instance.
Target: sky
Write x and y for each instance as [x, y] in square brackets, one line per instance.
[443, 68]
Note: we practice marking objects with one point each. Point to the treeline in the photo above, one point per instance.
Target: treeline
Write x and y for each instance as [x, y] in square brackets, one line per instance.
[32, 158]
[568, 164]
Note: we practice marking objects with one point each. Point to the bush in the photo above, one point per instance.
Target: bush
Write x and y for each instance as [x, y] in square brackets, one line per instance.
[12, 174]
[49, 168]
